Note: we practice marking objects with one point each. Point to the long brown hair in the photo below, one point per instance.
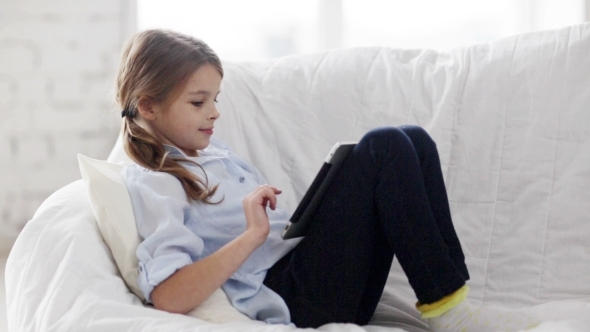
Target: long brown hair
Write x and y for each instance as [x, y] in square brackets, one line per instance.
[157, 64]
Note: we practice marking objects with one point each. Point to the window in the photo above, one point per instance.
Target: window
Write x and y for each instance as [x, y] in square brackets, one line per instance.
[262, 29]
[443, 25]
[237, 29]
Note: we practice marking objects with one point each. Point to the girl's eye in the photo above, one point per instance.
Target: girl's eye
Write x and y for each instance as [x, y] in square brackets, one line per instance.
[197, 103]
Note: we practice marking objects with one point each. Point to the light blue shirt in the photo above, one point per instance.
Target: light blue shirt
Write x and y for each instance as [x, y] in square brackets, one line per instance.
[176, 232]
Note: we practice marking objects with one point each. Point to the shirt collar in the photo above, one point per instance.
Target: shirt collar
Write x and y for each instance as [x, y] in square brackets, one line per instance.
[214, 145]
[174, 151]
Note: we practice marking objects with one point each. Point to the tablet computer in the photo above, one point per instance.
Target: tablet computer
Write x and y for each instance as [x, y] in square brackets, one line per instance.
[300, 220]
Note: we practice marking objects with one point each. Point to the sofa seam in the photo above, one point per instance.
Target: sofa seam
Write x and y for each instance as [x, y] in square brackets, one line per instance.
[560, 110]
[486, 276]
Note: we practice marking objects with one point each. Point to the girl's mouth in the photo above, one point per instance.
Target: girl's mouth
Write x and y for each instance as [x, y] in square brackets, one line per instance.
[208, 131]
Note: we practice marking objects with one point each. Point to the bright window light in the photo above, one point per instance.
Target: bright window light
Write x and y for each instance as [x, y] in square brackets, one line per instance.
[443, 25]
[263, 29]
[237, 29]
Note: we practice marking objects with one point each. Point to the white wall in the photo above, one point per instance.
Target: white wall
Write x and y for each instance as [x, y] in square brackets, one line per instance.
[57, 66]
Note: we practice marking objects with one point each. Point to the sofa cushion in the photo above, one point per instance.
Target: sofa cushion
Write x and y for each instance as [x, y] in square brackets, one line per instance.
[112, 208]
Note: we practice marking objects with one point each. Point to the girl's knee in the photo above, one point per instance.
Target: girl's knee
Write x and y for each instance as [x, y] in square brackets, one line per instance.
[385, 134]
[386, 138]
[415, 132]
[418, 135]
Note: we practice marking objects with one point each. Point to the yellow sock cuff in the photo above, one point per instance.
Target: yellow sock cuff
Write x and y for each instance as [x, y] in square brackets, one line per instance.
[443, 305]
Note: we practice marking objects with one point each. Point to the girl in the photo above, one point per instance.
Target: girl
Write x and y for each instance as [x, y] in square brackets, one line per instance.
[202, 212]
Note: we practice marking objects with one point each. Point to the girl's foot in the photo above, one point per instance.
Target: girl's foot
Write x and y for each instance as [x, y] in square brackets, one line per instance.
[466, 318]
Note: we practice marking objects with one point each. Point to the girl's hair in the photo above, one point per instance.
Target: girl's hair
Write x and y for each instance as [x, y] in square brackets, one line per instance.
[157, 64]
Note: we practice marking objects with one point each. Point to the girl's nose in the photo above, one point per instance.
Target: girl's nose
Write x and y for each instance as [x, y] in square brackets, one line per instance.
[215, 114]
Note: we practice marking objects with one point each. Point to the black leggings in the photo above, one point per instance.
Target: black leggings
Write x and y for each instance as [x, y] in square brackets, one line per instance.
[388, 198]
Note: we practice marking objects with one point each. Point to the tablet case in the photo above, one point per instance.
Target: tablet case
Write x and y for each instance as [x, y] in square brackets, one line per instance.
[300, 220]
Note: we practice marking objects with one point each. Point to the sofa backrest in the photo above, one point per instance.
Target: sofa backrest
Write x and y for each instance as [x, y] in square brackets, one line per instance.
[511, 120]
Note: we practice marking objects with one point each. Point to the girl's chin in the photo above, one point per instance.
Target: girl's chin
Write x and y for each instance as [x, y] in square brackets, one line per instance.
[203, 144]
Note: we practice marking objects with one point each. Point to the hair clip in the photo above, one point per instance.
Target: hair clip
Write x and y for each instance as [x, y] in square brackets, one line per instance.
[125, 113]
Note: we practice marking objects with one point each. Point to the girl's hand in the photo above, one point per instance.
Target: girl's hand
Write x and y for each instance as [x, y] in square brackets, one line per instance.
[255, 205]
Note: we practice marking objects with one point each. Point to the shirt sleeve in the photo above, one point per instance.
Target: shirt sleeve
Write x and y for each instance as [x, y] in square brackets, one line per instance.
[160, 207]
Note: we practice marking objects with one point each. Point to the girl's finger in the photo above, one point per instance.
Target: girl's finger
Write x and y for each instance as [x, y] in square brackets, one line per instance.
[269, 197]
[272, 199]
[266, 186]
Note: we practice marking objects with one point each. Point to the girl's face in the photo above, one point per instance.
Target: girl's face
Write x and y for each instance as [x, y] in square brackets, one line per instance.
[188, 122]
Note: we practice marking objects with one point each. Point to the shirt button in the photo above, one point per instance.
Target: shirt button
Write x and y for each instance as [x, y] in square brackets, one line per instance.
[242, 179]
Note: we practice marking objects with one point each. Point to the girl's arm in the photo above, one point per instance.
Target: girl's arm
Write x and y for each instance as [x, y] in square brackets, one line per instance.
[194, 283]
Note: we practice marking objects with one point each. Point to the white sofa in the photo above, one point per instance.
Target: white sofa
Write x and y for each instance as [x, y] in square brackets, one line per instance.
[512, 123]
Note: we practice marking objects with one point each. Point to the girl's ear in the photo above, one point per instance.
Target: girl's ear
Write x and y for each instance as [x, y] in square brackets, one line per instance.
[147, 108]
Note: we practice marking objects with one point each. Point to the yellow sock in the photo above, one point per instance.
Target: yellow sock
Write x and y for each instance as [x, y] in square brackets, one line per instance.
[443, 305]
[454, 313]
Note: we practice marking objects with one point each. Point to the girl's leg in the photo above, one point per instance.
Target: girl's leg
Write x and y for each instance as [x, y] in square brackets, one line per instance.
[376, 206]
[429, 161]
[437, 194]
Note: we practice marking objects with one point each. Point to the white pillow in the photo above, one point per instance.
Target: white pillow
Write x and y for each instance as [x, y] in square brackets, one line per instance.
[112, 208]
